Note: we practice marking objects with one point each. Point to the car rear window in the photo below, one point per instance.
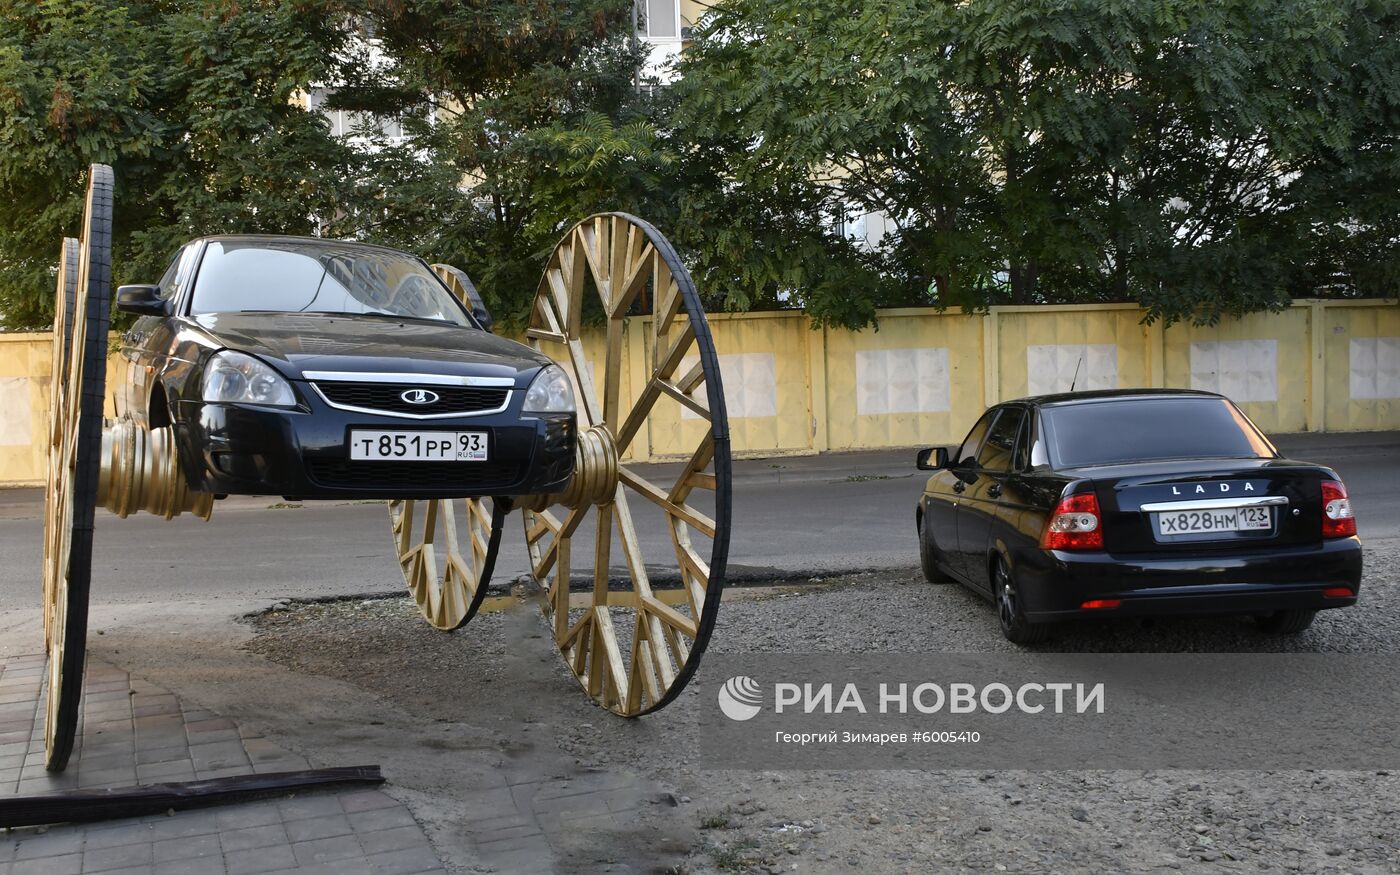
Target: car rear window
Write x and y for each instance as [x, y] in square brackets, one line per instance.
[292, 276]
[1141, 429]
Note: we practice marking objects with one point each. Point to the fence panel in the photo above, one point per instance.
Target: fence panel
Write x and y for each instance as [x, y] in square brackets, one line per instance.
[24, 400]
[1048, 349]
[1361, 360]
[1261, 361]
[917, 380]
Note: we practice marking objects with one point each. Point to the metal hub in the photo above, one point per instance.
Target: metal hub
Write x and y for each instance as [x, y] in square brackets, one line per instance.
[140, 471]
[596, 474]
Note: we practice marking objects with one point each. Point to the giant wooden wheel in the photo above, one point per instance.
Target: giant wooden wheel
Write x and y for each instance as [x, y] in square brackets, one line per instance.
[632, 645]
[75, 434]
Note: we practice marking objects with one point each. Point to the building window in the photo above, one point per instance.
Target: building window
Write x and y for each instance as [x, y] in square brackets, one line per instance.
[348, 123]
[662, 19]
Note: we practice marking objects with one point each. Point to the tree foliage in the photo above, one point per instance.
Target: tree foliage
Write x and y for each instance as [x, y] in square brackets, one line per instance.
[522, 118]
[1202, 158]
[192, 104]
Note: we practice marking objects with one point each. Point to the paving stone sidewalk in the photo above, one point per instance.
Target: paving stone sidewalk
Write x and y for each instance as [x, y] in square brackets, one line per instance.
[133, 732]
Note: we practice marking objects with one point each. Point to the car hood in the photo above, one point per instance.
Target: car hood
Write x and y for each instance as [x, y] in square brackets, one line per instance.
[298, 342]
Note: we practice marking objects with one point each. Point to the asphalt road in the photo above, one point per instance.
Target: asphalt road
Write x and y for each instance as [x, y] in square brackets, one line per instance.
[793, 517]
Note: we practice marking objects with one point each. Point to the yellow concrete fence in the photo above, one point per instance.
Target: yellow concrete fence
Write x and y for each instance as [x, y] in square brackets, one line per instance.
[923, 376]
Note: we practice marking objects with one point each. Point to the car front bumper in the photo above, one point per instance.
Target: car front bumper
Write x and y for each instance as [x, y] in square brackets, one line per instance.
[303, 453]
[1056, 584]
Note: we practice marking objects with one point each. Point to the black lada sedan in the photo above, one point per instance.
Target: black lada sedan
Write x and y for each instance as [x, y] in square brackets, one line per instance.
[1135, 502]
[313, 368]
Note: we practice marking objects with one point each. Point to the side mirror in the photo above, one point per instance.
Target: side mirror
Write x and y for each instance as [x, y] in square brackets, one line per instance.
[142, 300]
[462, 286]
[932, 459]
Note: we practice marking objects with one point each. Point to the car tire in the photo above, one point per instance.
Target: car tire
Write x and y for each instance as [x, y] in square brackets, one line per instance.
[1011, 611]
[1285, 622]
[932, 573]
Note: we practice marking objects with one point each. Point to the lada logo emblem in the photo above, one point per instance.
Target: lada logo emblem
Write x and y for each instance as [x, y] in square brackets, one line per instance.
[419, 396]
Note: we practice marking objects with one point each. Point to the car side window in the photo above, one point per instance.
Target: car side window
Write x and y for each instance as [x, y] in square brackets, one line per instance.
[996, 453]
[1036, 455]
[178, 274]
[1021, 460]
[967, 453]
[167, 279]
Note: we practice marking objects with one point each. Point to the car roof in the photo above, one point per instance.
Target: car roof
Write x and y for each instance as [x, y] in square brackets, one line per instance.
[1060, 399]
[294, 238]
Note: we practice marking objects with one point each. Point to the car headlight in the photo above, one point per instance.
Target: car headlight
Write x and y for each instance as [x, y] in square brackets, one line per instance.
[551, 392]
[238, 378]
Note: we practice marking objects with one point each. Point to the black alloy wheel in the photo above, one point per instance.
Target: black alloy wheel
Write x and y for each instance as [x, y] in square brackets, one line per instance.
[1010, 610]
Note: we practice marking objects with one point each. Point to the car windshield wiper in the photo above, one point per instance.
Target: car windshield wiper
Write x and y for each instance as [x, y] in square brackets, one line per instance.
[396, 317]
[392, 316]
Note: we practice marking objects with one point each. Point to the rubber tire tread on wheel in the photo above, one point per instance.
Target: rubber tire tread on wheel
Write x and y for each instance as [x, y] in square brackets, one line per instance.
[70, 636]
[932, 573]
[1286, 622]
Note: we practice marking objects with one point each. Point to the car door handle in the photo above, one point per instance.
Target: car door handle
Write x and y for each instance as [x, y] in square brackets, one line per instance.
[994, 490]
[959, 486]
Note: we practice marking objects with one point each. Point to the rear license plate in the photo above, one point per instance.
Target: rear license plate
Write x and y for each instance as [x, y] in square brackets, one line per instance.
[1224, 519]
[418, 446]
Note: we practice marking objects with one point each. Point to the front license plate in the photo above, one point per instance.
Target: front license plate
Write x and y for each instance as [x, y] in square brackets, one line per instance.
[1225, 519]
[418, 446]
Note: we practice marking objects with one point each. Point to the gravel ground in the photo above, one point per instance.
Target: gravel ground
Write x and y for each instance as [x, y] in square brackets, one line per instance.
[884, 821]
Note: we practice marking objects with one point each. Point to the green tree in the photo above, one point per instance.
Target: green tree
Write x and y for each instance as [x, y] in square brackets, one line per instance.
[1202, 158]
[519, 118]
[192, 104]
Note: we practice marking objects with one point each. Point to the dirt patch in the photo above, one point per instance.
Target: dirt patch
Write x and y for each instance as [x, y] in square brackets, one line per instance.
[501, 676]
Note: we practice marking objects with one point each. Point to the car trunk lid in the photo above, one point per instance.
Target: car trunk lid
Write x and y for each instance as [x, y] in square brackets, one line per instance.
[1196, 505]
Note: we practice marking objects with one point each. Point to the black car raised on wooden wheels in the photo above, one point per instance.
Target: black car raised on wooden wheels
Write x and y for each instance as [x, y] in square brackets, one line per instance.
[1135, 502]
[315, 369]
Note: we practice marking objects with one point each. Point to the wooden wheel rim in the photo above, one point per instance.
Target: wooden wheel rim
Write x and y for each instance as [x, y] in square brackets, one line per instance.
[76, 436]
[58, 371]
[622, 256]
[448, 585]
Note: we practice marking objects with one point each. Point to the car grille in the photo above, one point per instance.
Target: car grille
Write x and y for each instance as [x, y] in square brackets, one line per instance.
[403, 479]
[386, 397]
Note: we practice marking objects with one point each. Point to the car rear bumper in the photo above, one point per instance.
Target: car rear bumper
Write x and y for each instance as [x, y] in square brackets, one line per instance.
[303, 453]
[1055, 585]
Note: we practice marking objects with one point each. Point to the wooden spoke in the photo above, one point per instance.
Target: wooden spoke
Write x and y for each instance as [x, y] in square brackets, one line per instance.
[81, 312]
[447, 550]
[631, 626]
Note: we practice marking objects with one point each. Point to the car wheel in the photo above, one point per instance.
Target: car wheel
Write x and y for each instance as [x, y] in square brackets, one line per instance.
[1285, 622]
[1011, 611]
[932, 573]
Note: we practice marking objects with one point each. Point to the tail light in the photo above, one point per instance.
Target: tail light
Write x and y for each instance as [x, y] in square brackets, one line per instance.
[1337, 518]
[1074, 524]
[1100, 604]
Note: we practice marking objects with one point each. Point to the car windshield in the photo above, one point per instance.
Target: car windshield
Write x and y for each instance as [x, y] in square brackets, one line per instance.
[1141, 429]
[295, 276]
